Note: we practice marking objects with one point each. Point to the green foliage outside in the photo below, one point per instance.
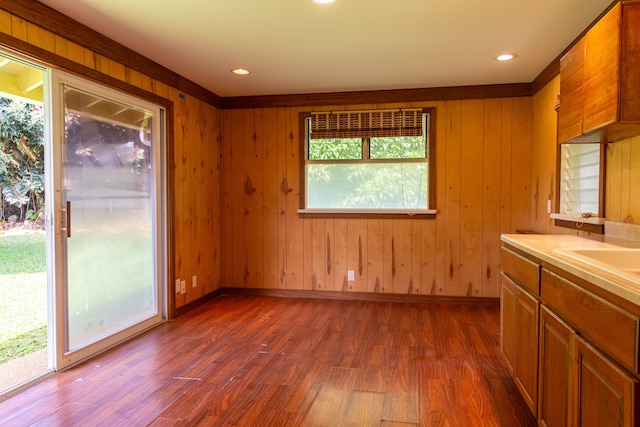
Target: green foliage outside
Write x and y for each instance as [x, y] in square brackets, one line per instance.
[379, 184]
[335, 149]
[23, 295]
[21, 160]
[405, 147]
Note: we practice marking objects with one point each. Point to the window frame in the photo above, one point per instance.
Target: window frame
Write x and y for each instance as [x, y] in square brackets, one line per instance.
[429, 212]
[593, 223]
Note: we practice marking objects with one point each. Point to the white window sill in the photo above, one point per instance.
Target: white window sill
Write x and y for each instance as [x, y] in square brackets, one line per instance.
[576, 217]
[368, 212]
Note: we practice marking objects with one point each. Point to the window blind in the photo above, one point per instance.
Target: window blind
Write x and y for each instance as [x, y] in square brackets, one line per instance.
[580, 189]
[366, 124]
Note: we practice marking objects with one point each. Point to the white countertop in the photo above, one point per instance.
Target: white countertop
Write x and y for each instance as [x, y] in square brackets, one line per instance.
[542, 247]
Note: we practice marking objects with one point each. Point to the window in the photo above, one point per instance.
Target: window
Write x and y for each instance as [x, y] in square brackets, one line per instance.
[581, 176]
[368, 162]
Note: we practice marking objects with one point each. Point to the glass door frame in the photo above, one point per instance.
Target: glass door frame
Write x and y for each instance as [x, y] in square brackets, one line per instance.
[62, 357]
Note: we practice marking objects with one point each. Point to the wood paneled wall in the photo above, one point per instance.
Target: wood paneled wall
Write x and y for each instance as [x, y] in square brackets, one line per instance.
[196, 198]
[543, 162]
[623, 181]
[196, 146]
[483, 167]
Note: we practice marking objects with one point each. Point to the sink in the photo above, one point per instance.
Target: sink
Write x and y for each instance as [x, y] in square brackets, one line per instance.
[623, 262]
[623, 258]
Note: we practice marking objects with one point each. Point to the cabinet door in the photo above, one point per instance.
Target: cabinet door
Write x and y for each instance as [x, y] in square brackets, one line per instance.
[604, 395]
[571, 93]
[526, 366]
[602, 71]
[630, 63]
[555, 371]
[519, 312]
[508, 300]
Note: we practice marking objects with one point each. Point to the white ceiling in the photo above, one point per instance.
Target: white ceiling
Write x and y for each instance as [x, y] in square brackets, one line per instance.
[297, 46]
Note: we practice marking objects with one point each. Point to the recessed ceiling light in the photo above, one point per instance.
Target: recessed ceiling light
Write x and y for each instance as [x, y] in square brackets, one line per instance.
[323, 1]
[241, 71]
[506, 57]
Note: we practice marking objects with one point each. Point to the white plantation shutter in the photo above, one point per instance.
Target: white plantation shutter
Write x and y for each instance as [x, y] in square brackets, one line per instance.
[580, 179]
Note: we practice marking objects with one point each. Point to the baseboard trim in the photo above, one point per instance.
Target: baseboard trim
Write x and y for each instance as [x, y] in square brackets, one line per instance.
[332, 295]
[198, 302]
[359, 296]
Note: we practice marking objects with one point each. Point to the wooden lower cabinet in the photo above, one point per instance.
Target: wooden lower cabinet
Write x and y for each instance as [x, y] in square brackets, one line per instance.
[572, 350]
[519, 320]
[608, 326]
[605, 395]
[556, 368]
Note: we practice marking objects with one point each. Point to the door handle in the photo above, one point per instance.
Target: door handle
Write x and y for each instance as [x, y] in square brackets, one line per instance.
[67, 216]
[68, 219]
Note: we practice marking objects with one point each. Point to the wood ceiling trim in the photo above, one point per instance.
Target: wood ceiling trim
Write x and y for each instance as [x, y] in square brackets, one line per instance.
[380, 96]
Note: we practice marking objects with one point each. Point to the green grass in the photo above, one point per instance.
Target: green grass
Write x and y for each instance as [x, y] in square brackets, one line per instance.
[23, 344]
[22, 253]
[23, 295]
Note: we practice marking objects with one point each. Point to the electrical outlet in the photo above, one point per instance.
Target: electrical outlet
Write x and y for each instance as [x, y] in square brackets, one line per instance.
[194, 282]
[351, 276]
[177, 286]
[183, 287]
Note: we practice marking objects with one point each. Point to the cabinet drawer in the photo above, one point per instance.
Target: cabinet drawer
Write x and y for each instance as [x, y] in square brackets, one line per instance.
[523, 271]
[612, 329]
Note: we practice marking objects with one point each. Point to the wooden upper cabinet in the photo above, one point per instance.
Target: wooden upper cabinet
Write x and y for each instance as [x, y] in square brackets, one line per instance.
[572, 93]
[602, 72]
[599, 81]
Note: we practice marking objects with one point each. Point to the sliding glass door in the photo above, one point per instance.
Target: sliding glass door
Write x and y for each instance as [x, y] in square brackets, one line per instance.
[109, 217]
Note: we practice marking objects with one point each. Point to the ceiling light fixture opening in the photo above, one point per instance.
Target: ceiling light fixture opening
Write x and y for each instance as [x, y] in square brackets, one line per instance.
[323, 1]
[241, 71]
[506, 57]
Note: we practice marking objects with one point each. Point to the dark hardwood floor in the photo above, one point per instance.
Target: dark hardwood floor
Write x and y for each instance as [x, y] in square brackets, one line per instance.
[262, 361]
